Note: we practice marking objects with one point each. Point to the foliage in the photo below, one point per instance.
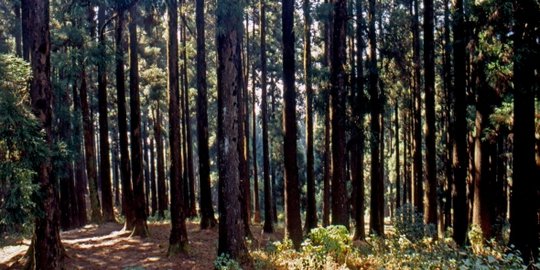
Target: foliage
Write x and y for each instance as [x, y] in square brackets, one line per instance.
[225, 262]
[410, 223]
[22, 146]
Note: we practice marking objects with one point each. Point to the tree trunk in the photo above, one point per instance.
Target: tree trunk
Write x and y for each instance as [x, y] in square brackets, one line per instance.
[80, 183]
[340, 204]
[398, 170]
[327, 127]
[268, 220]
[357, 152]
[18, 28]
[25, 28]
[125, 171]
[292, 188]
[417, 112]
[376, 219]
[46, 246]
[460, 159]
[430, 195]
[231, 234]
[256, 205]
[153, 186]
[207, 210]
[523, 220]
[104, 161]
[178, 240]
[311, 207]
[162, 189]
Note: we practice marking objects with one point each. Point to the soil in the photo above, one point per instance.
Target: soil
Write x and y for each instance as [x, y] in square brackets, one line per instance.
[108, 246]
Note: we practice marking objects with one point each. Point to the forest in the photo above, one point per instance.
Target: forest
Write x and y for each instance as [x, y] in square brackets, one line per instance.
[260, 134]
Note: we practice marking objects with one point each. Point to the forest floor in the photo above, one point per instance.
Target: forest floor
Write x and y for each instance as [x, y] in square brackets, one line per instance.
[109, 247]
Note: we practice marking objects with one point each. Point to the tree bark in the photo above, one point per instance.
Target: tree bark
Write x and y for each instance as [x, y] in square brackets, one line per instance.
[340, 204]
[523, 220]
[268, 216]
[430, 194]
[417, 184]
[125, 171]
[104, 160]
[163, 200]
[207, 210]
[231, 234]
[376, 219]
[178, 240]
[460, 158]
[46, 246]
[153, 186]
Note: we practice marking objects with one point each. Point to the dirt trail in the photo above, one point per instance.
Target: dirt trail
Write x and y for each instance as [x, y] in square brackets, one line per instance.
[108, 247]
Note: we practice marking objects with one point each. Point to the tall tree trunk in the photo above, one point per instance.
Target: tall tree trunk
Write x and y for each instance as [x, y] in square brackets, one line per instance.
[447, 83]
[460, 158]
[90, 151]
[125, 171]
[357, 152]
[268, 216]
[327, 127]
[146, 164]
[104, 160]
[376, 219]
[523, 220]
[256, 205]
[430, 195]
[311, 207]
[207, 210]
[398, 170]
[292, 187]
[340, 204]
[140, 228]
[178, 240]
[80, 182]
[231, 234]
[46, 249]
[161, 187]
[417, 184]
[153, 186]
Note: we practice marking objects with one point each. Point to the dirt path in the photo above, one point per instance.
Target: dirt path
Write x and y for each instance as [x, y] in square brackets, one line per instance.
[108, 247]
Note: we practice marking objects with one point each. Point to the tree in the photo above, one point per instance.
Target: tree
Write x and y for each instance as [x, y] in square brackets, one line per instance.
[376, 218]
[178, 240]
[104, 161]
[524, 229]
[460, 161]
[207, 210]
[268, 216]
[125, 171]
[46, 249]
[340, 204]
[139, 226]
[430, 195]
[358, 137]
[417, 112]
[231, 234]
[311, 207]
[292, 188]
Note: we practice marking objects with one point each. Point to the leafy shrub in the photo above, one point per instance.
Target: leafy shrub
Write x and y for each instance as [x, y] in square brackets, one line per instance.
[410, 223]
[225, 262]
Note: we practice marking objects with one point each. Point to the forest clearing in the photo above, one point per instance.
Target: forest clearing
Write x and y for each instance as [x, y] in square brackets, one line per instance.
[261, 134]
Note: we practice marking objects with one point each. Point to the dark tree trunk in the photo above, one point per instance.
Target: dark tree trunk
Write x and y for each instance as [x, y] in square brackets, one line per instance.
[178, 240]
[207, 210]
[125, 171]
[447, 77]
[292, 188]
[104, 161]
[523, 220]
[417, 184]
[376, 219]
[268, 216]
[340, 204]
[153, 188]
[25, 28]
[46, 249]
[80, 181]
[311, 207]
[430, 195]
[398, 170]
[327, 128]
[146, 164]
[140, 228]
[357, 151]
[460, 158]
[161, 188]
[116, 169]
[90, 151]
[231, 234]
